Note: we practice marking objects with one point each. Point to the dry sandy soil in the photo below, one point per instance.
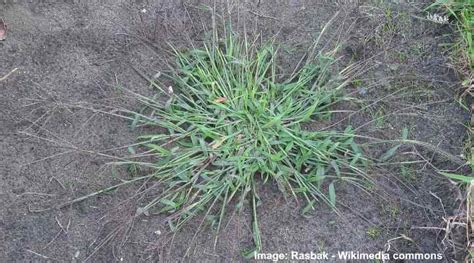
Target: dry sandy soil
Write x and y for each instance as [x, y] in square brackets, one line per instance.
[70, 53]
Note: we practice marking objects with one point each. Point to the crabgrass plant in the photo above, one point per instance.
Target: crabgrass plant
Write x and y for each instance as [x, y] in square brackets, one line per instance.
[233, 121]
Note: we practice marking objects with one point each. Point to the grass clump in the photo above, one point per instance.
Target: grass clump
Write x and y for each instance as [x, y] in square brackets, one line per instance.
[233, 121]
[462, 12]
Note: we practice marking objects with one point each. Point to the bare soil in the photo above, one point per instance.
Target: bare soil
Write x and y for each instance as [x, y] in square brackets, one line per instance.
[72, 53]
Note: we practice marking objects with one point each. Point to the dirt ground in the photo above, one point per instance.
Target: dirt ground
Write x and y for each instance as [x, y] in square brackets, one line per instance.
[78, 52]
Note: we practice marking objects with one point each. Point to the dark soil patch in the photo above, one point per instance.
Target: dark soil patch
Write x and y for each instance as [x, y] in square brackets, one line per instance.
[78, 53]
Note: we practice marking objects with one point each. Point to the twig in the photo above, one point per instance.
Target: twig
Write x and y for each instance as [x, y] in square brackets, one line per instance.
[37, 254]
[440, 201]
[6, 76]
[264, 16]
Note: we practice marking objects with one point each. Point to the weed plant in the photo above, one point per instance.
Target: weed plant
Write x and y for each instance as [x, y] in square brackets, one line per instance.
[234, 121]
